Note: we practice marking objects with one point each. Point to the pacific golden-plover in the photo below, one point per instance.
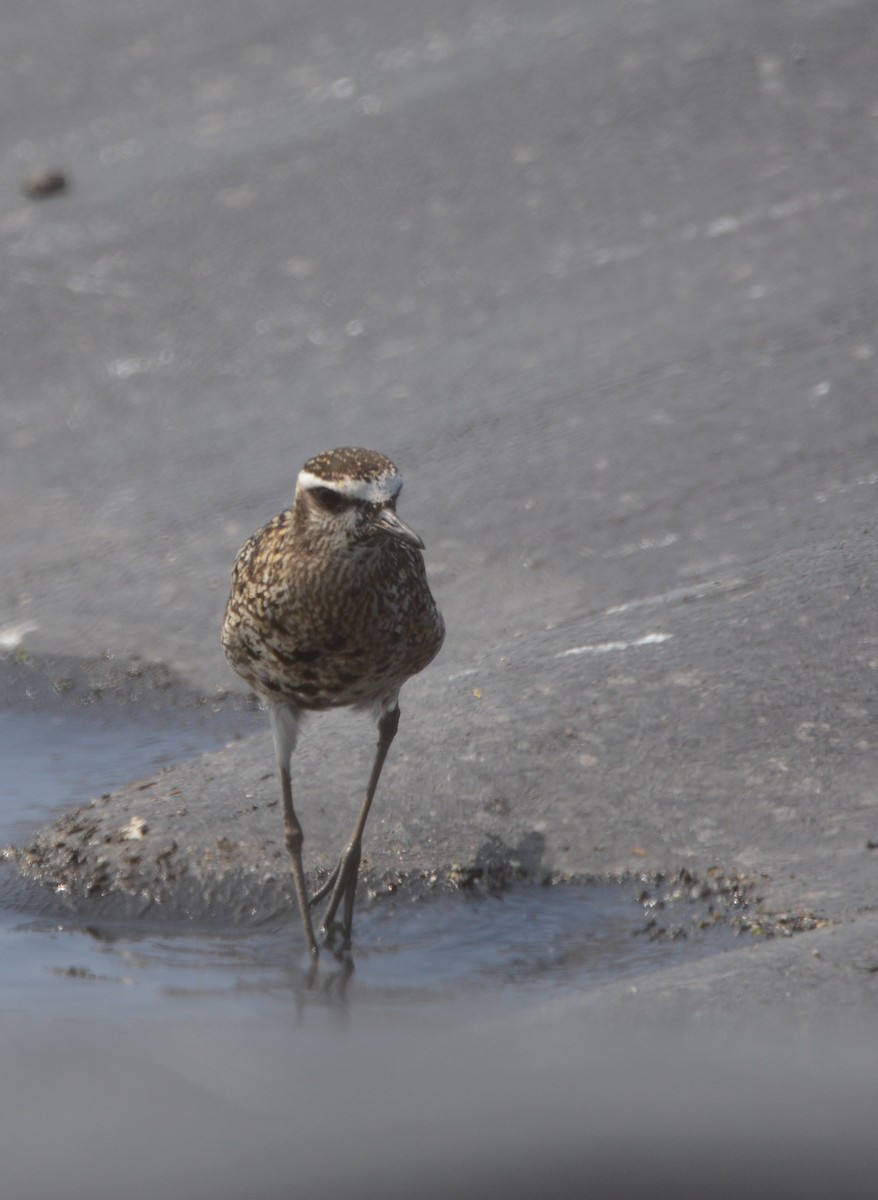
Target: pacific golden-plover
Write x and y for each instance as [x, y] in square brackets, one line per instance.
[329, 607]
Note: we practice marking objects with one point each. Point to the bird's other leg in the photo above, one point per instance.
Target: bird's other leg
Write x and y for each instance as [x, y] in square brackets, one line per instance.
[342, 883]
[285, 729]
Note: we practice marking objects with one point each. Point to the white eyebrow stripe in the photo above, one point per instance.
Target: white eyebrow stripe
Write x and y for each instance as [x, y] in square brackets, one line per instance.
[372, 491]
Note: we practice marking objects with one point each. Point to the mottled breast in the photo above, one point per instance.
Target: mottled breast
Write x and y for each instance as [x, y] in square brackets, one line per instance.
[325, 631]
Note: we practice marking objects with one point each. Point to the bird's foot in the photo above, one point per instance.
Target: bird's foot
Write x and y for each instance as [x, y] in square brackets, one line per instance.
[336, 939]
[341, 887]
[325, 887]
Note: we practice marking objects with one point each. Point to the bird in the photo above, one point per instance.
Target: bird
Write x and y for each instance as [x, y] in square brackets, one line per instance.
[330, 607]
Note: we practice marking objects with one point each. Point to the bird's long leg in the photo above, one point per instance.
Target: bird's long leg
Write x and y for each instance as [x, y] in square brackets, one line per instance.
[383, 746]
[342, 883]
[284, 728]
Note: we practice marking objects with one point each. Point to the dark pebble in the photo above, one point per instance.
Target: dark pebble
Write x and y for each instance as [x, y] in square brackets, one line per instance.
[47, 182]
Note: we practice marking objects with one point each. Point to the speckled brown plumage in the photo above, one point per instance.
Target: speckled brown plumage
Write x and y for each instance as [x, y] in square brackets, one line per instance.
[321, 627]
[329, 607]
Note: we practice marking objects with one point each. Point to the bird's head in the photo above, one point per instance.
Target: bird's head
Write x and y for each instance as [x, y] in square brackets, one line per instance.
[348, 497]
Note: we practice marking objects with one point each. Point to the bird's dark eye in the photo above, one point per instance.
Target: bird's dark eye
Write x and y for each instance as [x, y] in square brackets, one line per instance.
[329, 499]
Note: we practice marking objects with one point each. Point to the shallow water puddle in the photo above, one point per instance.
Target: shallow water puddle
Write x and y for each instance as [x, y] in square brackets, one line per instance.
[52, 760]
[524, 945]
[527, 941]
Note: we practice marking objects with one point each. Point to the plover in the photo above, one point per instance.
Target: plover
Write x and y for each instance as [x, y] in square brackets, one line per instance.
[330, 607]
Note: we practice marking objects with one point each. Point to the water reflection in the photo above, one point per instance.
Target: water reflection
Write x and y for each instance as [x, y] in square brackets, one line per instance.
[520, 946]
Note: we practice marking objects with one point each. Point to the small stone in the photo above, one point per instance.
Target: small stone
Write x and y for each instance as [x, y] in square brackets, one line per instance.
[134, 830]
[47, 182]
